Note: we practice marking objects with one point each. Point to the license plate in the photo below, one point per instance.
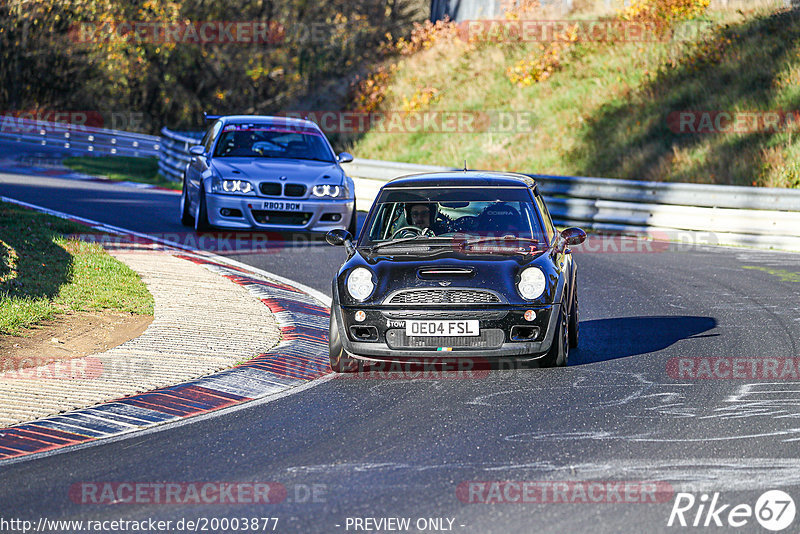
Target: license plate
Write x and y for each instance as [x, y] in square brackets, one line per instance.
[442, 328]
[283, 206]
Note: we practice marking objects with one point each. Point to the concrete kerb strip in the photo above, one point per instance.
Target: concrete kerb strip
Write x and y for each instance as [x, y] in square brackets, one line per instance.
[300, 315]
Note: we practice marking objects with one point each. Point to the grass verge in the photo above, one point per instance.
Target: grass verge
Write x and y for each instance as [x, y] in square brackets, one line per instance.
[43, 272]
[122, 168]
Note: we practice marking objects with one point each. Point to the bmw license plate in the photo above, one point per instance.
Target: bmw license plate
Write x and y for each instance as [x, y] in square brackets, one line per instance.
[442, 328]
[283, 206]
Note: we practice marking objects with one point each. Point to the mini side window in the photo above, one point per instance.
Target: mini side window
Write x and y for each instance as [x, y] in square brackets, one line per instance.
[548, 222]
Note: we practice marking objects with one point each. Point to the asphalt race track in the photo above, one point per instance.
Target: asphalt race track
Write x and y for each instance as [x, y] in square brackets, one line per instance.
[401, 448]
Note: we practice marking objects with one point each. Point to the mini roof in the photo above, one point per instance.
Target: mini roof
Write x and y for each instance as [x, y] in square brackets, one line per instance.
[461, 179]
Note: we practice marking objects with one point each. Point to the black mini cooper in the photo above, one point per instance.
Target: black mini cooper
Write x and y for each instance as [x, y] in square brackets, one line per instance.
[455, 265]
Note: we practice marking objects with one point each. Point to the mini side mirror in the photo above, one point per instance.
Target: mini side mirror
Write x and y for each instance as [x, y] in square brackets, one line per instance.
[344, 157]
[197, 150]
[340, 237]
[573, 236]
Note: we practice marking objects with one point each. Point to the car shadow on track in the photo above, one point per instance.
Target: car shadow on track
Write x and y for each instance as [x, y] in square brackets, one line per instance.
[621, 337]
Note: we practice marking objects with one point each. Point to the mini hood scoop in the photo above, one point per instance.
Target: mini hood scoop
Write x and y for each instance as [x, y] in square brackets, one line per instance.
[445, 272]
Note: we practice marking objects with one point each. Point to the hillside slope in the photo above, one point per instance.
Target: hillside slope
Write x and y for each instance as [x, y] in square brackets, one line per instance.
[612, 108]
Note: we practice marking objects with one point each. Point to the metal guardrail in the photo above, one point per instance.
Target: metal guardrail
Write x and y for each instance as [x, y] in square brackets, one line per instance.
[698, 213]
[174, 154]
[76, 139]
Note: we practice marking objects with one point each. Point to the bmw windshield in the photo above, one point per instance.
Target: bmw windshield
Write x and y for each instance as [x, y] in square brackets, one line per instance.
[272, 141]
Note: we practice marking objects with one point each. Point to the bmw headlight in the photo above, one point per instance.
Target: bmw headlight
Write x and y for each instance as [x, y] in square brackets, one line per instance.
[359, 283]
[531, 283]
[242, 187]
[327, 190]
[237, 186]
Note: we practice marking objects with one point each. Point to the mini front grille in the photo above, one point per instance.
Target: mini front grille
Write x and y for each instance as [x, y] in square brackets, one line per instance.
[444, 314]
[287, 218]
[491, 338]
[444, 296]
[294, 190]
[270, 189]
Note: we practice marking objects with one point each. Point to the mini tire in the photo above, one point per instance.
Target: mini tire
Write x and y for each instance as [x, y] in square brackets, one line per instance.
[558, 355]
[341, 362]
[574, 321]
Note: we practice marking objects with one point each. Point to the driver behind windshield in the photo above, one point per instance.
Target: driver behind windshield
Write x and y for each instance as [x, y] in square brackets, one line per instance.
[426, 215]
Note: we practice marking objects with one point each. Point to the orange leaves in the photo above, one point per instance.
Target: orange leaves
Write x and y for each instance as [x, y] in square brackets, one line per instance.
[371, 91]
[530, 70]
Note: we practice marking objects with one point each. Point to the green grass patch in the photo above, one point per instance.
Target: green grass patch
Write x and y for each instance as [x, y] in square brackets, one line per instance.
[43, 272]
[606, 111]
[122, 168]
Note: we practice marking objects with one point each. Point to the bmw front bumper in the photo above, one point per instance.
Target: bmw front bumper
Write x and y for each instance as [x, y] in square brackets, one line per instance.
[305, 214]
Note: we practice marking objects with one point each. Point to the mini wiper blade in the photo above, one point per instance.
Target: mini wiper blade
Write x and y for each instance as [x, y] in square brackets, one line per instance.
[422, 240]
[505, 238]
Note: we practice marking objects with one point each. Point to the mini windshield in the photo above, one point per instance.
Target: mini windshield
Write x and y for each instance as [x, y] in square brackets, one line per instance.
[463, 213]
[267, 141]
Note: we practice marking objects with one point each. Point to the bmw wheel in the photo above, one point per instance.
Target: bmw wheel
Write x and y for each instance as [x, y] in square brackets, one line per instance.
[201, 220]
[353, 226]
[186, 216]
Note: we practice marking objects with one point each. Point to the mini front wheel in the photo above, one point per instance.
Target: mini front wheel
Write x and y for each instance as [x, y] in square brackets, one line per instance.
[341, 362]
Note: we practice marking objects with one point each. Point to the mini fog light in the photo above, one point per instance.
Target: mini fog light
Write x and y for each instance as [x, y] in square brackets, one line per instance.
[530, 315]
[360, 316]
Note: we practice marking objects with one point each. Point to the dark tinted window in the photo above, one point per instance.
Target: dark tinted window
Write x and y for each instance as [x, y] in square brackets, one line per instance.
[454, 211]
[265, 141]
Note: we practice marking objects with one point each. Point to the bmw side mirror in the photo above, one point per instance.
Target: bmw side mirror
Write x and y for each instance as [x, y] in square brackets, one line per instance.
[344, 157]
[340, 237]
[197, 150]
[573, 236]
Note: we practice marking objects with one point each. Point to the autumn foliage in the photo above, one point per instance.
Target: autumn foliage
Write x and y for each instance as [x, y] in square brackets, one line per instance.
[43, 65]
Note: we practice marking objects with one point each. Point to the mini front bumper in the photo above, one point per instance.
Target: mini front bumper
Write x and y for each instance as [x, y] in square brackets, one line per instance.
[380, 350]
[248, 212]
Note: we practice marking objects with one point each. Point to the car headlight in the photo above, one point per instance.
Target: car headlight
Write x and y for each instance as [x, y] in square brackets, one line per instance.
[327, 190]
[237, 186]
[359, 283]
[242, 187]
[531, 283]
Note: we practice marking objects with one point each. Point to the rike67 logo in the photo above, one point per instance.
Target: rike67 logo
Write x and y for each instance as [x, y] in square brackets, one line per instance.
[774, 510]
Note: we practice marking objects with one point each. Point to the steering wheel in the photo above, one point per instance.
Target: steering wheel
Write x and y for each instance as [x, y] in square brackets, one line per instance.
[467, 223]
[415, 229]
